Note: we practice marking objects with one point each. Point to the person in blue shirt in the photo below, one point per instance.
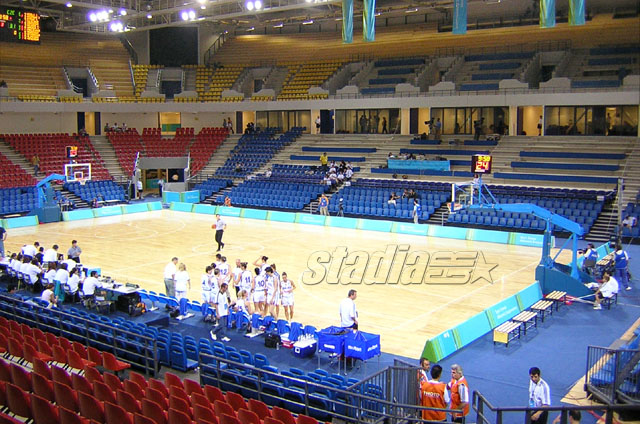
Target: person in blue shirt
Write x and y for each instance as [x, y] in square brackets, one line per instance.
[590, 258]
[417, 211]
[621, 259]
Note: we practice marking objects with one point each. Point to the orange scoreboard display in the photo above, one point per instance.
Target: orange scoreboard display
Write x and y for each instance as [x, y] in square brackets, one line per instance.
[481, 164]
[19, 25]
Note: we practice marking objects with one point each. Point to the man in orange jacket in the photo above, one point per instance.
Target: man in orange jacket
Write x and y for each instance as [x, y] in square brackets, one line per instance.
[434, 394]
[459, 393]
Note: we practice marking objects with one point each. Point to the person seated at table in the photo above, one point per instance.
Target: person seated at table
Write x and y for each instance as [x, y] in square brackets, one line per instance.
[73, 285]
[50, 274]
[89, 288]
[32, 275]
[49, 297]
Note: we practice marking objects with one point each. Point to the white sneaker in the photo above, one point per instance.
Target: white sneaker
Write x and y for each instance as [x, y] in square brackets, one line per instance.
[180, 317]
[226, 339]
[597, 307]
[213, 335]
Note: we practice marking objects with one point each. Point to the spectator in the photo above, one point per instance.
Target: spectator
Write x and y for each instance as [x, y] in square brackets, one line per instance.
[574, 417]
[392, 198]
[139, 188]
[49, 297]
[238, 168]
[608, 288]
[89, 287]
[384, 125]
[630, 221]
[74, 251]
[348, 173]
[50, 255]
[540, 126]
[417, 211]
[423, 372]
[324, 205]
[438, 126]
[160, 186]
[230, 125]
[539, 395]
[341, 207]
[318, 125]
[324, 159]
[35, 161]
[3, 237]
[222, 312]
[39, 256]
[106, 128]
[3, 84]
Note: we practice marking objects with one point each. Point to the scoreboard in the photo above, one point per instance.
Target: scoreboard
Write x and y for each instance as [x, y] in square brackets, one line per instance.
[19, 25]
[481, 164]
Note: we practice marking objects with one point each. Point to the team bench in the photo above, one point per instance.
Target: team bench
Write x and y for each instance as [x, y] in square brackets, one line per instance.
[557, 297]
[506, 332]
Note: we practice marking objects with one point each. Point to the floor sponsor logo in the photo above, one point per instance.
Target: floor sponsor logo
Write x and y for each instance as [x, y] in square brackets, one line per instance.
[397, 264]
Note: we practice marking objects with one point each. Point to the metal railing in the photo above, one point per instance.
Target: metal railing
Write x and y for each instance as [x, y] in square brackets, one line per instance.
[610, 375]
[489, 414]
[132, 52]
[362, 402]
[215, 46]
[132, 347]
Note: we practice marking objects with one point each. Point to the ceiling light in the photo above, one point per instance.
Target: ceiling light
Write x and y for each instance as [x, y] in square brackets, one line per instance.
[415, 9]
[192, 14]
[123, 12]
[280, 25]
[251, 29]
[184, 15]
[202, 1]
[203, 7]
[309, 22]
[249, 5]
[377, 14]
[93, 17]
[149, 16]
[110, 10]
[69, 4]
[116, 26]
[258, 4]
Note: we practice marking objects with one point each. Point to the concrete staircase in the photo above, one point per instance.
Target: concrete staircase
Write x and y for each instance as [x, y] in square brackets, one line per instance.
[19, 160]
[108, 154]
[219, 157]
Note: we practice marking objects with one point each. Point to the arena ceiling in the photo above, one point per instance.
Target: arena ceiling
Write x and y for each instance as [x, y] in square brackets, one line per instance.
[98, 16]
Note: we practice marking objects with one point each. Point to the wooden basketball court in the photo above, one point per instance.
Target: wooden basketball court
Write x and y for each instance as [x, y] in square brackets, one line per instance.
[421, 286]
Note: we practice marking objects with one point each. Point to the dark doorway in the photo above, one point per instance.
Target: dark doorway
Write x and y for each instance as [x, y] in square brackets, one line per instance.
[326, 122]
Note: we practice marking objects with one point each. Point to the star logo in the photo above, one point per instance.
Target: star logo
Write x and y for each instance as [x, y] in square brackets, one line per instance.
[482, 269]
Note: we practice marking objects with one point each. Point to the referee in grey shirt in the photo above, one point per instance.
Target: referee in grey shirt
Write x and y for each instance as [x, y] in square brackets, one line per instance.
[220, 227]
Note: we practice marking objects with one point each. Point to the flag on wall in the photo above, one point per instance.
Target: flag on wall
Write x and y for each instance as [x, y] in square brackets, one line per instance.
[576, 12]
[347, 21]
[460, 16]
[369, 20]
[547, 13]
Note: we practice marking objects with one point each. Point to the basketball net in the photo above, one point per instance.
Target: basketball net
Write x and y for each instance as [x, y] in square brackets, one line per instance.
[82, 181]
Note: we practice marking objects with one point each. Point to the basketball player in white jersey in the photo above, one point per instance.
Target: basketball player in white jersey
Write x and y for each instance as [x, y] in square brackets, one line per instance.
[235, 276]
[224, 269]
[287, 287]
[258, 290]
[246, 283]
[261, 262]
[207, 286]
[274, 306]
[271, 282]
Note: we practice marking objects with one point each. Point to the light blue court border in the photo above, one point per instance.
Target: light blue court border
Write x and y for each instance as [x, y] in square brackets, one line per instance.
[111, 211]
[22, 221]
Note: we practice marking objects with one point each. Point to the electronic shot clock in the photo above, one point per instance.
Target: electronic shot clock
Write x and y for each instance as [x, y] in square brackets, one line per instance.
[481, 164]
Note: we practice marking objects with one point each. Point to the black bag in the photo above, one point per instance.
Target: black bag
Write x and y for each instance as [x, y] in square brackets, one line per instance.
[271, 340]
[175, 312]
[135, 311]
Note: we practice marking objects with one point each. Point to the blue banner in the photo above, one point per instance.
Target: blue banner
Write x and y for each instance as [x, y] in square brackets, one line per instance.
[347, 21]
[460, 16]
[369, 20]
[547, 13]
[576, 12]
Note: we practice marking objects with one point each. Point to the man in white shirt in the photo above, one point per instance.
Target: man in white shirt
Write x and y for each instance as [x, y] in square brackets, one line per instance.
[30, 250]
[222, 313]
[348, 313]
[608, 288]
[539, 395]
[169, 275]
[90, 284]
[51, 255]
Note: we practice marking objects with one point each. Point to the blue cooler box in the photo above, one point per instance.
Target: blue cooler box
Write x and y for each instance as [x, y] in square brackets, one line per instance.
[305, 348]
